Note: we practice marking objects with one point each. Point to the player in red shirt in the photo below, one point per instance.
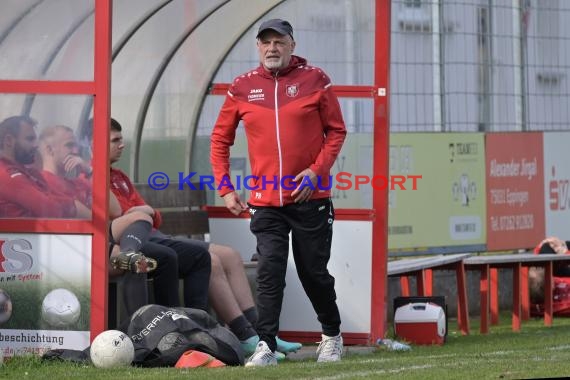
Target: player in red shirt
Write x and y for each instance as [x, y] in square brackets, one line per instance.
[23, 191]
[230, 294]
[68, 174]
[63, 169]
[175, 258]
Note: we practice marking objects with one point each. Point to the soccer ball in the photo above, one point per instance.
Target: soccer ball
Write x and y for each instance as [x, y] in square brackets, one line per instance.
[5, 306]
[112, 348]
[60, 308]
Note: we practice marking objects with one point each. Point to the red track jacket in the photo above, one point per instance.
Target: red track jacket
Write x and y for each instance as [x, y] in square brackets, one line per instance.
[128, 196]
[74, 188]
[292, 122]
[24, 193]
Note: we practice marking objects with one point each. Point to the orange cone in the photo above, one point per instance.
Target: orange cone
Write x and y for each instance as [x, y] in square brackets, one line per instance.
[195, 359]
[215, 363]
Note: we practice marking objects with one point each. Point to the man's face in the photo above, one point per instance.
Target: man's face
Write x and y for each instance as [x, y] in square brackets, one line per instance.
[116, 146]
[64, 144]
[26, 145]
[275, 50]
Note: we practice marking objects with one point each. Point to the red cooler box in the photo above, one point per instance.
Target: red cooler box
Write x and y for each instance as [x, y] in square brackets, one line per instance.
[420, 323]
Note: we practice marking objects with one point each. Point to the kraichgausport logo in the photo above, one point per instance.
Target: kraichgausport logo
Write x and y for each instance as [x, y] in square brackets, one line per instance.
[340, 181]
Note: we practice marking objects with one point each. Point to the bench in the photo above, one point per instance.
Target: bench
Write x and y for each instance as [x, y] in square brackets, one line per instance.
[422, 268]
[183, 214]
[183, 211]
[519, 263]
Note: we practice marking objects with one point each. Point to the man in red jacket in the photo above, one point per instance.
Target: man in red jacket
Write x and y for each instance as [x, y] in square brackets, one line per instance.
[23, 191]
[63, 169]
[69, 175]
[295, 130]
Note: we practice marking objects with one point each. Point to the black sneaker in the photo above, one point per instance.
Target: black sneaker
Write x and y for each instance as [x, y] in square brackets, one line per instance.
[133, 262]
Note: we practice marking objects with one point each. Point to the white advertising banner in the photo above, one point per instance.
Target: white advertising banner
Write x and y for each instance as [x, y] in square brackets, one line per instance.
[45, 292]
[350, 264]
[557, 184]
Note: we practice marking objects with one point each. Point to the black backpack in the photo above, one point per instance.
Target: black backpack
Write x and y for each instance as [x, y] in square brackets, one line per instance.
[162, 334]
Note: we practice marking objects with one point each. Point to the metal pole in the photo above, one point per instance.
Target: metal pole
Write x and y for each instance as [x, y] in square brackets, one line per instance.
[437, 65]
[518, 67]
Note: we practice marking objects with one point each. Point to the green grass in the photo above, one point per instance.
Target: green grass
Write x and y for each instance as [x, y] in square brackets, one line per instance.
[536, 351]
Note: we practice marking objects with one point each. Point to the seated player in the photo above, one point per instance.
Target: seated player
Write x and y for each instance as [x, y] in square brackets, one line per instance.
[536, 274]
[62, 167]
[24, 193]
[67, 174]
[229, 291]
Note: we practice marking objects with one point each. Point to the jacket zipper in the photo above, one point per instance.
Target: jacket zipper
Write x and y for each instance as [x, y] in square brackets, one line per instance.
[278, 142]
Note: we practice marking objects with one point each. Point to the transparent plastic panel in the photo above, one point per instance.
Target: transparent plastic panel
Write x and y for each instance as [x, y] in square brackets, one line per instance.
[355, 157]
[335, 35]
[47, 40]
[45, 163]
[200, 159]
[149, 91]
[13, 12]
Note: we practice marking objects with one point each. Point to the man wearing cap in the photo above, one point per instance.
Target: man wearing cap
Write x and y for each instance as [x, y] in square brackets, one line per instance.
[295, 130]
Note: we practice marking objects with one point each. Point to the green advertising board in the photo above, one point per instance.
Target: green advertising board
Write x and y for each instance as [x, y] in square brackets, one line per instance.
[447, 208]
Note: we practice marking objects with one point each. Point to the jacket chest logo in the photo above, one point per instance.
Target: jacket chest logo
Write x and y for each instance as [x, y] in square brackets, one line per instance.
[255, 94]
[292, 90]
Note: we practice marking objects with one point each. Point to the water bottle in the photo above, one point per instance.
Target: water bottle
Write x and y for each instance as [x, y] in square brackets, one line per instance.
[393, 345]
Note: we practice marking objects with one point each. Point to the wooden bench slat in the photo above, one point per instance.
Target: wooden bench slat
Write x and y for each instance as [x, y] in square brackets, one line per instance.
[411, 265]
[182, 210]
[516, 258]
[171, 196]
[185, 222]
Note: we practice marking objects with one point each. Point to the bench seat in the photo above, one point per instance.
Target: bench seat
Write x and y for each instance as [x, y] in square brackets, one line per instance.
[487, 265]
[422, 269]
